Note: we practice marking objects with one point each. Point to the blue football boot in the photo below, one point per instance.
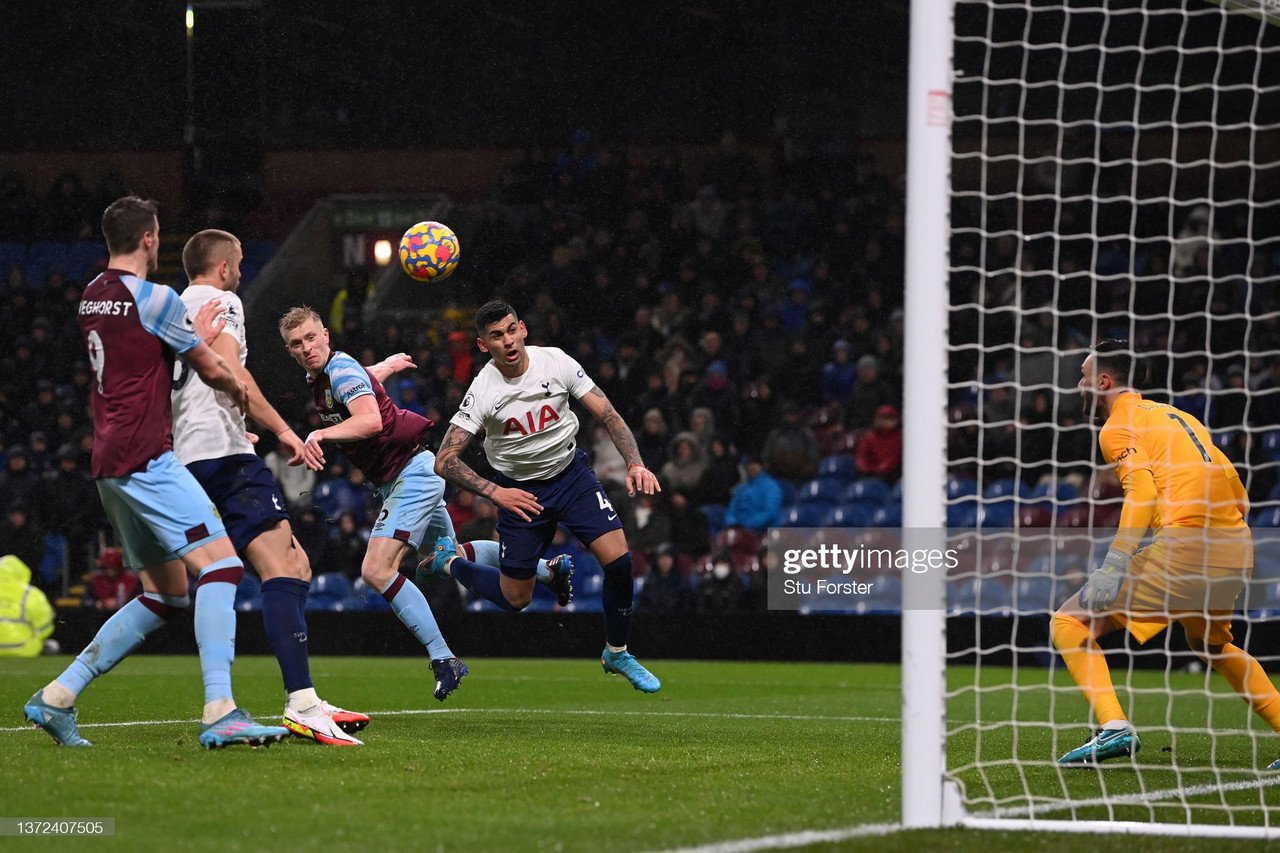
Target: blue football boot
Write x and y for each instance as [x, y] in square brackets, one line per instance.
[237, 727]
[60, 723]
[1105, 745]
[437, 565]
[625, 664]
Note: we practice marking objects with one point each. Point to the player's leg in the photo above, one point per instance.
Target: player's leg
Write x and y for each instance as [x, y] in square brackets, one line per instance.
[1211, 640]
[590, 517]
[164, 592]
[1075, 632]
[408, 504]
[510, 586]
[556, 573]
[286, 577]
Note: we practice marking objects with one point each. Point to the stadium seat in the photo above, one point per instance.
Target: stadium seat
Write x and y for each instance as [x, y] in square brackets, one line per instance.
[1266, 555]
[885, 595]
[788, 491]
[52, 255]
[714, 514]
[584, 604]
[978, 595]
[736, 540]
[839, 467]
[997, 514]
[887, 516]
[958, 487]
[85, 259]
[962, 515]
[806, 515]
[849, 515]
[54, 562]
[330, 586]
[10, 254]
[1225, 439]
[1271, 444]
[249, 594]
[1035, 595]
[1266, 517]
[1034, 516]
[895, 493]
[1005, 490]
[350, 604]
[1050, 495]
[820, 490]
[373, 599]
[868, 490]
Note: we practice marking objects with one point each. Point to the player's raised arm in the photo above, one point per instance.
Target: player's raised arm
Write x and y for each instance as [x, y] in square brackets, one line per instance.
[639, 478]
[449, 465]
[390, 366]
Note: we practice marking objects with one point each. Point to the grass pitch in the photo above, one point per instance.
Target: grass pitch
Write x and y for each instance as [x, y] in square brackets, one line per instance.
[542, 754]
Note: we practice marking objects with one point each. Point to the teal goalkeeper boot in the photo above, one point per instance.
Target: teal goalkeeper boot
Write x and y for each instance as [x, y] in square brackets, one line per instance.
[1105, 745]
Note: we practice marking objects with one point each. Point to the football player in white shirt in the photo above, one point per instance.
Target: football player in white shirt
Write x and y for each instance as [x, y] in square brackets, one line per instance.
[521, 401]
[209, 437]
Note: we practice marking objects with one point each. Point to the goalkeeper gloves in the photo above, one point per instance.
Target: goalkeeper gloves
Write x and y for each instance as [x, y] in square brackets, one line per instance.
[1104, 582]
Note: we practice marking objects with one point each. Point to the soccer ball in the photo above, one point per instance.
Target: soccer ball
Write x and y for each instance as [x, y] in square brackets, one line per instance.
[429, 251]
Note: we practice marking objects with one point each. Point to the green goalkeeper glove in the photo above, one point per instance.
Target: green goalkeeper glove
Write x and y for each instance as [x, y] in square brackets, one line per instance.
[1104, 582]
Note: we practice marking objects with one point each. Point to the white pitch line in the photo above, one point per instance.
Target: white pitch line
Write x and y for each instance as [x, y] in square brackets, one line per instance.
[793, 839]
[578, 712]
[1136, 798]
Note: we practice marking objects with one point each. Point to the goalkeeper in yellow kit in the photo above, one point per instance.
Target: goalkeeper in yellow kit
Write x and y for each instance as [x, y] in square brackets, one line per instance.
[1181, 487]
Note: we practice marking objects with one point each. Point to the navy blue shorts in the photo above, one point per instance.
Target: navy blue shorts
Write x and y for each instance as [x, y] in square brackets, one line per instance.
[246, 495]
[574, 498]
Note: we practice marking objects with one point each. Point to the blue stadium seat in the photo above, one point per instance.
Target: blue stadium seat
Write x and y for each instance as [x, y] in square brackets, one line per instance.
[52, 255]
[1005, 490]
[248, 593]
[805, 515]
[1271, 444]
[56, 555]
[586, 604]
[848, 515]
[715, 514]
[885, 595]
[958, 487]
[1035, 595]
[963, 515]
[591, 585]
[895, 494]
[1047, 494]
[36, 272]
[10, 254]
[887, 516]
[373, 599]
[1266, 555]
[868, 490]
[1225, 439]
[351, 604]
[1266, 517]
[332, 586]
[821, 490]
[83, 259]
[977, 595]
[839, 466]
[997, 514]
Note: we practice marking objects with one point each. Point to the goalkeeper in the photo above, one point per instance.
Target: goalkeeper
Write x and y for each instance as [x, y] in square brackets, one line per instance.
[1179, 485]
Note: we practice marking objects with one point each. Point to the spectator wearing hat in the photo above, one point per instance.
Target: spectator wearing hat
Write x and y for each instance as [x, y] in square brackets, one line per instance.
[40, 456]
[869, 394]
[720, 398]
[666, 590]
[756, 502]
[20, 535]
[686, 462]
[879, 449]
[19, 482]
[112, 585]
[26, 619]
[839, 375]
[652, 439]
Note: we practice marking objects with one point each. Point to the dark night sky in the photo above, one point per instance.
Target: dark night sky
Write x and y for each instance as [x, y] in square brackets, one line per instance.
[99, 74]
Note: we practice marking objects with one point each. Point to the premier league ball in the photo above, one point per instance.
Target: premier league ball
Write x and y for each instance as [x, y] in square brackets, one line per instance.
[429, 251]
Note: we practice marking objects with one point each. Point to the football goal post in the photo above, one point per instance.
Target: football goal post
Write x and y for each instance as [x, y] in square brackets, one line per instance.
[1079, 171]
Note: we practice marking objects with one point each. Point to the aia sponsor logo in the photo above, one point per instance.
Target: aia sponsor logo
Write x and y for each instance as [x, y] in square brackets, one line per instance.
[529, 424]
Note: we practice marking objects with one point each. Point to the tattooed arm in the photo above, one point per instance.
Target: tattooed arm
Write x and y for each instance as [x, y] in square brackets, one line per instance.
[639, 478]
[450, 466]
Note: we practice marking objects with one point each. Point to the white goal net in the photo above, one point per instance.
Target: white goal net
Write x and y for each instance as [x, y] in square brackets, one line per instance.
[1114, 174]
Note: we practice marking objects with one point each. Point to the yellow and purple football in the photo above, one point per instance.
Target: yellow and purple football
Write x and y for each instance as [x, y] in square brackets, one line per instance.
[429, 251]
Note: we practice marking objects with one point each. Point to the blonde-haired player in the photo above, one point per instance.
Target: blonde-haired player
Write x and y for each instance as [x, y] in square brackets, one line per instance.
[1181, 487]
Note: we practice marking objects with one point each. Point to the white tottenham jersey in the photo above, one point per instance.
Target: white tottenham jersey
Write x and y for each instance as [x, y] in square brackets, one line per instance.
[529, 428]
[206, 424]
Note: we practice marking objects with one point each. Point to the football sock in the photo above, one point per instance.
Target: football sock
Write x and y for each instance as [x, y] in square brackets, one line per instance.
[1248, 678]
[303, 700]
[486, 552]
[1088, 666]
[216, 630]
[411, 606]
[616, 596]
[484, 581]
[118, 636]
[284, 602]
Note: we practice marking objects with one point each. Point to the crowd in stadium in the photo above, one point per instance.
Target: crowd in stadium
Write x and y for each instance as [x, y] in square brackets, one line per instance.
[749, 329]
